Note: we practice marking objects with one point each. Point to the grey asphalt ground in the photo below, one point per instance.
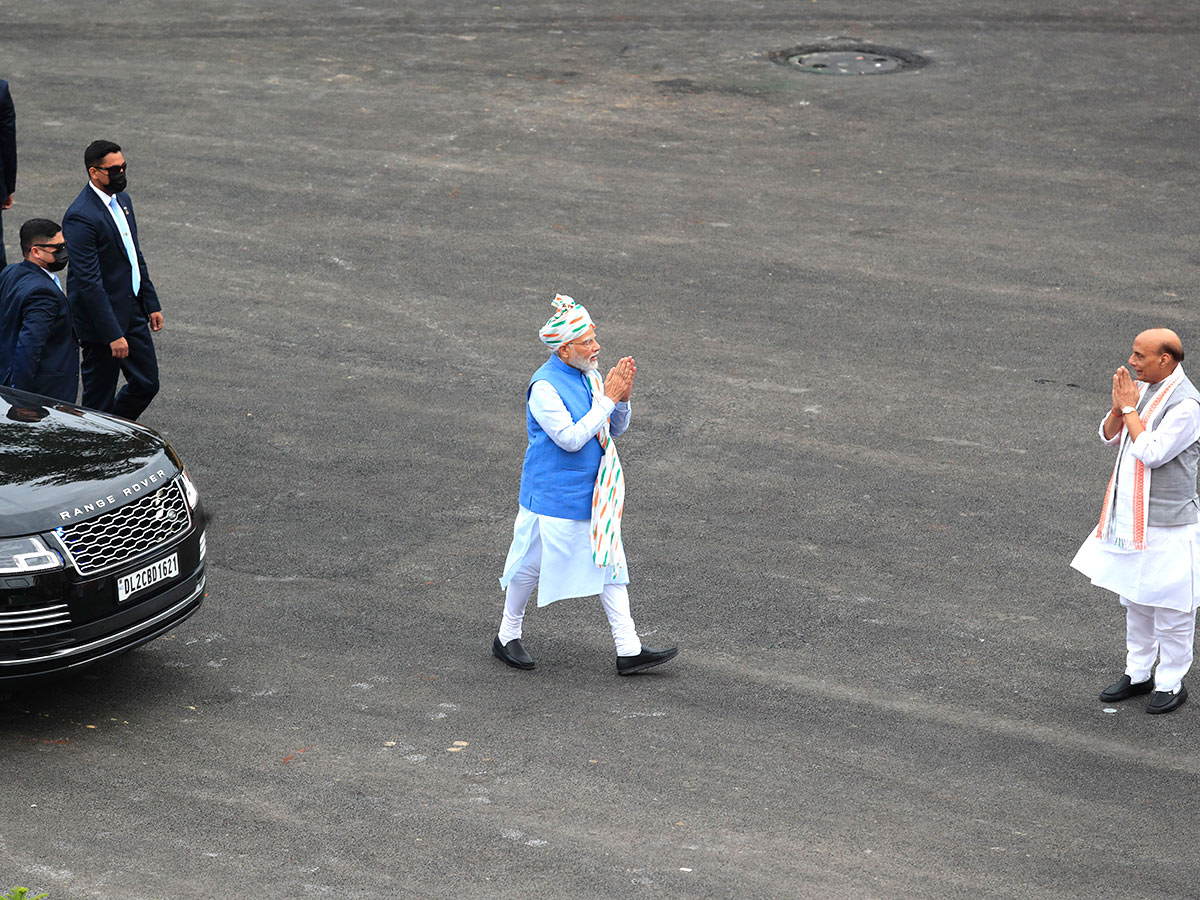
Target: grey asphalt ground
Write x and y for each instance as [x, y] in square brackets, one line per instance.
[875, 320]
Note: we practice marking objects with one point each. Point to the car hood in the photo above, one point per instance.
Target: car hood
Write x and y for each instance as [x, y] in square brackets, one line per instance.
[57, 459]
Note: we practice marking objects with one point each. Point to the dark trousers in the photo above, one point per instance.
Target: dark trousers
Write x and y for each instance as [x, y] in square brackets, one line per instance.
[3, 258]
[100, 370]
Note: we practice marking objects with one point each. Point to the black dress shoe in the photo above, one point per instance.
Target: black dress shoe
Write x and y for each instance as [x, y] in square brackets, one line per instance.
[1124, 689]
[513, 653]
[1165, 701]
[647, 659]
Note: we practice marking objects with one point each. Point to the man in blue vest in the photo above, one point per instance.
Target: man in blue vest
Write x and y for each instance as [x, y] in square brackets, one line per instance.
[38, 350]
[1146, 548]
[566, 539]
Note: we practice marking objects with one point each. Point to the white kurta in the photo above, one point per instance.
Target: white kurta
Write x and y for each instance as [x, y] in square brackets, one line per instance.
[1167, 572]
[567, 568]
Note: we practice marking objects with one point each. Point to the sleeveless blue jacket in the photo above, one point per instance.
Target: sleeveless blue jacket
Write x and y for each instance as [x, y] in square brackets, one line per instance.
[553, 481]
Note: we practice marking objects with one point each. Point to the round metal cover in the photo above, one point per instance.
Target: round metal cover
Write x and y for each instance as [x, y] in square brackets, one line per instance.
[842, 58]
[846, 62]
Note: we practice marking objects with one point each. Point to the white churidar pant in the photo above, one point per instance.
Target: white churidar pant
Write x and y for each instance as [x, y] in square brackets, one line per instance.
[1157, 589]
[555, 556]
[1155, 631]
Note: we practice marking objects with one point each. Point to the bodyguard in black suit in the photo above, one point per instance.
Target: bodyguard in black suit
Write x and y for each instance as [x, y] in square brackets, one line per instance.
[38, 350]
[113, 302]
[8, 158]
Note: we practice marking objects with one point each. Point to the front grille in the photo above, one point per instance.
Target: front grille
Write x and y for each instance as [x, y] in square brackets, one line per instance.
[124, 534]
[34, 620]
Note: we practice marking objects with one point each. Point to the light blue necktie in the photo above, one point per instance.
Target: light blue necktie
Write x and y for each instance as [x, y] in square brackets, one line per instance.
[56, 281]
[127, 237]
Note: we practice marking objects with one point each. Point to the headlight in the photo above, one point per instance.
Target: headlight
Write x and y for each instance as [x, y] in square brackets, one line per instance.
[189, 489]
[27, 554]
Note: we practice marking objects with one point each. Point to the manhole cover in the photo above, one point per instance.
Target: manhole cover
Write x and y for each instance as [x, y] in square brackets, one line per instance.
[848, 59]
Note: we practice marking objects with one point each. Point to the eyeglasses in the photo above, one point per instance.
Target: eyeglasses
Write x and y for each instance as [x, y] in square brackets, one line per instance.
[54, 247]
[113, 170]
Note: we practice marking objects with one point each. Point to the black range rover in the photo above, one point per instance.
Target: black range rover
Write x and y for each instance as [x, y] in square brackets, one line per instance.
[101, 536]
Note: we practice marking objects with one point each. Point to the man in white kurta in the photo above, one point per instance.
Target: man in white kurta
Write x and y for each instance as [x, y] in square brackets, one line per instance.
[1146, 548]
[566, 538]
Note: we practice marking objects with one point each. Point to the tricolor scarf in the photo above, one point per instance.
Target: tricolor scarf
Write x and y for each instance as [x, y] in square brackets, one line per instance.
[1135, 537]
[608, 497]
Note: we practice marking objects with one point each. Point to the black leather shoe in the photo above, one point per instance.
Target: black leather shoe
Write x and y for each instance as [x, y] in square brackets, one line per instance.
[647, 659]
[1165, 701]
[513, 653]
[1124, 689]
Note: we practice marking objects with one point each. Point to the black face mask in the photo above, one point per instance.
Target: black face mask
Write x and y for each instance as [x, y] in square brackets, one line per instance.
[116, 183]
[61, 258]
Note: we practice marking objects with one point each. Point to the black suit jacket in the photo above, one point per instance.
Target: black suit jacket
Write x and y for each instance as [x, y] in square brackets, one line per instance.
[38, 350]
[8, 142]
[99, 279]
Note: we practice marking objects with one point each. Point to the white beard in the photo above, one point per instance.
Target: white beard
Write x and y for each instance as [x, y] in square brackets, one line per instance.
[584, 365]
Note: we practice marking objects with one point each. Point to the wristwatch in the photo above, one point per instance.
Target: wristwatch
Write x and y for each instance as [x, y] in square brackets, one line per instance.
[1126, 410]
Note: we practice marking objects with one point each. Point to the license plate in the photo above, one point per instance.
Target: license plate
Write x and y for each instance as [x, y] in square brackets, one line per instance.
[128, 585]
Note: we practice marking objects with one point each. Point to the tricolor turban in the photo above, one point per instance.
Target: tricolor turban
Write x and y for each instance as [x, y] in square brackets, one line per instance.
[569, 321]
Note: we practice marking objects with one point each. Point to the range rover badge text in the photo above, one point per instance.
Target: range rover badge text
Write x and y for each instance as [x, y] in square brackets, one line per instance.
[109, 500]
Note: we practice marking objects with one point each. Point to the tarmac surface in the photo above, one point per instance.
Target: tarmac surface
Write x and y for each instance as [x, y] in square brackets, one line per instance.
[875, 319]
